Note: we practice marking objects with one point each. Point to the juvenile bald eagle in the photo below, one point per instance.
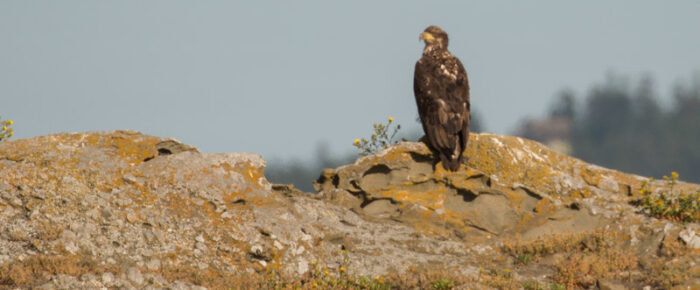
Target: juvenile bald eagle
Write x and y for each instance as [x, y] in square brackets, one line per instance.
[442, 94]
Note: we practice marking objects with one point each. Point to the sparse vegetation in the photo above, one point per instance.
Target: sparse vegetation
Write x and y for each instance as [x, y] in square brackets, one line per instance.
[669, 203]
[543, 246]
[500, 279]
[540, 286]
[382, 137]
[339, 278]
[524, 258]
[34, 270]
[322, 277]
[667, 274]
[582, 269]
[444, 284]
[6, 130]
[580, 260]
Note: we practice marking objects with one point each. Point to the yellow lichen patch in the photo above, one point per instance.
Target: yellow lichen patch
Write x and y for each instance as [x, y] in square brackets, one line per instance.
[582, 193]
[524, 221]
[462, 179]
[480, 156]
[433, 199]
[253, 174]
[590, 177]
[428, 227]
[132, 148]
[544, 207]
[515, 198]
[398, 195]
[468, 184]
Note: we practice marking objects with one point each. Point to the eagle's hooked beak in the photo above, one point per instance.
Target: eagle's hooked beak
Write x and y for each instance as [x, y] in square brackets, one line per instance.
[426, 36]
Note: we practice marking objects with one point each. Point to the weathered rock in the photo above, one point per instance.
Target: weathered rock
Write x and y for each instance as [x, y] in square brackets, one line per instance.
[510, 185]
[121, 209]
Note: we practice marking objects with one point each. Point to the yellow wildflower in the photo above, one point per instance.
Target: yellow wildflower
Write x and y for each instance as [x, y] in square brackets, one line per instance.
[342, 251]
[357, 141]
[376, 277]
[12, 133]
[313, 263]
[4, 127]
[342, 269]
[326, 272]
[674, 175]
[391, 119]
[9, 122]
[315, 284]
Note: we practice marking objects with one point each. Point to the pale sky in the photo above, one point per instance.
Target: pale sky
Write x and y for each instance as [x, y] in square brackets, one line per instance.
[278, 77]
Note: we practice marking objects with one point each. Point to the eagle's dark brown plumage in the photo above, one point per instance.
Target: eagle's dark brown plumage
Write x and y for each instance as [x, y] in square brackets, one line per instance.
[442, 94]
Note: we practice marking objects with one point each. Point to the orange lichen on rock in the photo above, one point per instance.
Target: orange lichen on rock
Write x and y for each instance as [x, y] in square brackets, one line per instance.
[503, 173]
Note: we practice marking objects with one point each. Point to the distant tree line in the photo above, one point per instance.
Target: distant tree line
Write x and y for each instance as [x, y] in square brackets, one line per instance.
[302, 173]
[620, 124]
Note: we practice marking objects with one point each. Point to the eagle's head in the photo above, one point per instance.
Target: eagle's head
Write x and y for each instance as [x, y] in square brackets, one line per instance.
[435, 39]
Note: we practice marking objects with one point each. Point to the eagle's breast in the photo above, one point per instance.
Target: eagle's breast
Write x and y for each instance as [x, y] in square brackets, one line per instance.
[449, 72]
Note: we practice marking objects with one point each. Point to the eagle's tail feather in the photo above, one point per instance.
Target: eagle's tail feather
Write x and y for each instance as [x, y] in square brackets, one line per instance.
[449, 163]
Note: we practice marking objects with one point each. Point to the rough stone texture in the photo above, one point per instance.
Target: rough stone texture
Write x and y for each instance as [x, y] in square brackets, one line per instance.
[124, 210]
[510, 185]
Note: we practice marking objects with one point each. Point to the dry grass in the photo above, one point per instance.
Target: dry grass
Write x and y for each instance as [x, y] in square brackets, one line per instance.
[587, 256]
[544, 246]
[672, 247]
[33, 270]
[428, 279]
[500, 279]
[324, 278]
[667, 274]
[210, 277]
[584, 258]
[18, 236]
[574, 261]
[37, 270]
[584, 269]
[47, 231]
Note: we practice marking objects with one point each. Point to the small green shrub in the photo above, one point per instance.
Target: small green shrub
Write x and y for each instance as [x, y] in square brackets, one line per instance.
[380, 139]
[669, 204]
[524, 258]
[443, 284]
[6, 131]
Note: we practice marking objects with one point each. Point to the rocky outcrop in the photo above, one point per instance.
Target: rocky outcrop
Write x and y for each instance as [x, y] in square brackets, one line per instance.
[122, 209]
[509, 186]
